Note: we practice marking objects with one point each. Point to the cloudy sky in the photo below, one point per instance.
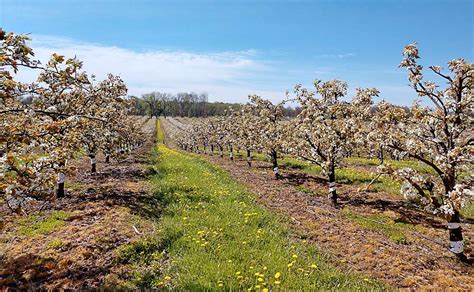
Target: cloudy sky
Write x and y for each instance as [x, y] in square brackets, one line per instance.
[230, 49]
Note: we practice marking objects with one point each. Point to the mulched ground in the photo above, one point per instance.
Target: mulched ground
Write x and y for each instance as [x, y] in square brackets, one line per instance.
[424, 262]
[108, 211]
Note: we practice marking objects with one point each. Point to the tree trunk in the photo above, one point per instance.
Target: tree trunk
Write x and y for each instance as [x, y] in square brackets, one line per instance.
[93, 163]
[274, 157]
[231, 155]
[249, 158]
[212, 149]
[60, 191]
[456, 241]
[332, 195]
[107, 158]
[221, 151]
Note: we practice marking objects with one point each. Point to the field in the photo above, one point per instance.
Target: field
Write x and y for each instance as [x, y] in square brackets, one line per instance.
[164, 218]
[328, 188]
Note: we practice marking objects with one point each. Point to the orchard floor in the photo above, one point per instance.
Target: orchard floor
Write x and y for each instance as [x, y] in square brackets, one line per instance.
[373, 233]
[70, 243]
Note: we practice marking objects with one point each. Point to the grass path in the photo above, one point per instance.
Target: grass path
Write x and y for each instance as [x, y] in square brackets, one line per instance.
[214, 235]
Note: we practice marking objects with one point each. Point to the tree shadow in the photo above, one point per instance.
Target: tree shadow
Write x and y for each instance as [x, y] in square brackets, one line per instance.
[408, 213]
[298, 178]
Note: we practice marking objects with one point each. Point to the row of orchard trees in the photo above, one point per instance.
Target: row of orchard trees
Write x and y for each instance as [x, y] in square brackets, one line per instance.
[45, 123]
[329, 127]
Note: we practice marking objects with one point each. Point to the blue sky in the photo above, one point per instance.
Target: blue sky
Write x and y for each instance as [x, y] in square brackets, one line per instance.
[234, 48]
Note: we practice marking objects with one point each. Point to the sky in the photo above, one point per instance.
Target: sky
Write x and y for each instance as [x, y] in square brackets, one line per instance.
[230, 49]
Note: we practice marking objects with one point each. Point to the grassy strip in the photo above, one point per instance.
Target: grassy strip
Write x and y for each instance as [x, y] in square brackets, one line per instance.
[346, 175]
[160, 135]
[359, 177]
[214, 235]
[383, 224]
[34, 224]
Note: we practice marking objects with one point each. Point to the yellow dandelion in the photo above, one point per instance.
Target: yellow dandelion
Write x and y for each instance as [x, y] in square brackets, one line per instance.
[290, 265]
[277, 275]
[167, 278]
[260, 279]
[277, 282]
[265, 290]
[313, 266]
[294, 256]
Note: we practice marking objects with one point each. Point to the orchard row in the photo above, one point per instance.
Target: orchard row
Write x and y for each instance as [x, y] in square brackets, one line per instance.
[48, 122]
[331, 127]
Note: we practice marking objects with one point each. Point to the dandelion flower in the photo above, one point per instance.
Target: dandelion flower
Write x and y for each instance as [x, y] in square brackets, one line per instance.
[167, 278]
[313, 266]
[277, 282]
[277, 275]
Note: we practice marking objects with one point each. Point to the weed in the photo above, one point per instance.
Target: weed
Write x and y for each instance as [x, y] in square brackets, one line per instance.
[36, 224]
[380, 223]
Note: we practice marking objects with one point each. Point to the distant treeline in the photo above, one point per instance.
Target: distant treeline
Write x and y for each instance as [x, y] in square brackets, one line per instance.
[186, 105]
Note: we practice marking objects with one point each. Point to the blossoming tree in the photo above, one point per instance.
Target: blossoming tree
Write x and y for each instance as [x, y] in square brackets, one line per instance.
[269, 127]
[440, 136]
[328, 127]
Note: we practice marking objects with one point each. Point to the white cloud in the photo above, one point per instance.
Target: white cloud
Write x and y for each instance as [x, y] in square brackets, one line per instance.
[225, 76]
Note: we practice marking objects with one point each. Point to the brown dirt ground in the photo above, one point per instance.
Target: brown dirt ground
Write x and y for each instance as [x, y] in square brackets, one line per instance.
[105, 209]
[423, 263]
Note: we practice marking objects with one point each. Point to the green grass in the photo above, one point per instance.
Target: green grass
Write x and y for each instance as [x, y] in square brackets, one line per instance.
[212, 234]
[468, 210]
[160, 136]
[383, 224]
[423, 168]
[56, 243]
[346, 175]
[35, 224]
